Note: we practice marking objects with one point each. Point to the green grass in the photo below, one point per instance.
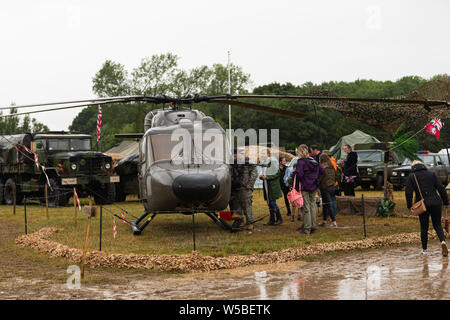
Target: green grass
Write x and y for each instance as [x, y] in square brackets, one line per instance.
[172, 234]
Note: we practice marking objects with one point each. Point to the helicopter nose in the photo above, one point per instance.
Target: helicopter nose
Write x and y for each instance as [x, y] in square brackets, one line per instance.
[195, 188]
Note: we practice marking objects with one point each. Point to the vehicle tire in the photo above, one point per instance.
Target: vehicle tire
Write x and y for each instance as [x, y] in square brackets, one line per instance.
[57, 196]
[120, 194]
[105, 195]
[365, 186]
[380, 182]
[9, 195]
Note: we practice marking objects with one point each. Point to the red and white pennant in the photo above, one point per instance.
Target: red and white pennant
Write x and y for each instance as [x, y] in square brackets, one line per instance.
[76, 197]
[36, 160]
[114, 227]
[99, 122]
[123, 216]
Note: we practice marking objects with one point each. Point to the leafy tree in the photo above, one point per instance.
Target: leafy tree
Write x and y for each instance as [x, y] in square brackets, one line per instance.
[15, 125]
[157, 75]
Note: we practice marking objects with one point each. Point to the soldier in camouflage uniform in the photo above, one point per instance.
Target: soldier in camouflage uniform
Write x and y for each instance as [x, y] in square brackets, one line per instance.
[243, 178]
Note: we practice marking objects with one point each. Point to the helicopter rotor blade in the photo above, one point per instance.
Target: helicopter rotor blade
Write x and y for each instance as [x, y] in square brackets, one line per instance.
[344, 99]
[261, 108]
[94, 100]
[65, 107]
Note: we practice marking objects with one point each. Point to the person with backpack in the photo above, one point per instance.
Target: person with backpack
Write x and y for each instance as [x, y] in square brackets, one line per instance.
[336, 184]
[307, 174]
[326, 185]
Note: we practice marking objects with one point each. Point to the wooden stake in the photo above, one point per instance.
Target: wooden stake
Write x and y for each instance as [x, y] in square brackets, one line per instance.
[14, 198]
[83, 258]
[75, 207]
[46, 200]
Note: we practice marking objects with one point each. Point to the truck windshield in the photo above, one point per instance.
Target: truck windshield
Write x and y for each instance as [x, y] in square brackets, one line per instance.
[58, 144]
[426, 159]
[369, 156]
[80, 144]
[69, 144]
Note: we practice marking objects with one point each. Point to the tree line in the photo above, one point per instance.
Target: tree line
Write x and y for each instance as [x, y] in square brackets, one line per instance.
[161, 75]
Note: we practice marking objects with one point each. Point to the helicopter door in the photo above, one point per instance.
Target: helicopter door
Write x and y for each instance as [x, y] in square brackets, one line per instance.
[143, 167]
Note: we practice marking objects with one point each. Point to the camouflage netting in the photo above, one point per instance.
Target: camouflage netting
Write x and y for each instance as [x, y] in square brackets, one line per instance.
[196, 261]
[388, 117]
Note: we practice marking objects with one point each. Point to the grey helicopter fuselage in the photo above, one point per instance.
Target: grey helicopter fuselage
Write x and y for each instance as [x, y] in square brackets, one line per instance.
[175, 174]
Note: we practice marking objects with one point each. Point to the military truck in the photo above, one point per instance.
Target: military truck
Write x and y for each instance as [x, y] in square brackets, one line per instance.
[127, 169]
[371, 164]
[432, 161]
[68, 161]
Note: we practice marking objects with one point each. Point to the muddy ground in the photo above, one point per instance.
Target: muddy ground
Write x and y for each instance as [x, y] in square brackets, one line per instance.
[394, 273]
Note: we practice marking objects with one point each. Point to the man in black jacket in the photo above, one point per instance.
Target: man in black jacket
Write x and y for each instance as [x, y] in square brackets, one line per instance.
[428, 183]
[350, 171]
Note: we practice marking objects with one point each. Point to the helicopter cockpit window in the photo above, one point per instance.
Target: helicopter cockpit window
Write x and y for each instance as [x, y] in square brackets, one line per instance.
[58, 144]
[161, 146]
[80, 144]
[211, 151]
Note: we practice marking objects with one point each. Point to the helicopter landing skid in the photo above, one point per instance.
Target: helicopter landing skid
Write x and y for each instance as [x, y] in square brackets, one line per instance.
[221, 223]
[137, 230]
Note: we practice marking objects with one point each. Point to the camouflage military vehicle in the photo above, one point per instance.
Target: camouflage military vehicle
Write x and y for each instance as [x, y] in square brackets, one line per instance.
[371, 164]
[69, 163]
[127, 169]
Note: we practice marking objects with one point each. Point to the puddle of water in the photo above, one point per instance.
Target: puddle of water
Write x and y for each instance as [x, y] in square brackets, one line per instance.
[399, 273]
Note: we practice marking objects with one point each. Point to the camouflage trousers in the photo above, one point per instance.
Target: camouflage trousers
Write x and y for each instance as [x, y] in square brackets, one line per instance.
[241, 204]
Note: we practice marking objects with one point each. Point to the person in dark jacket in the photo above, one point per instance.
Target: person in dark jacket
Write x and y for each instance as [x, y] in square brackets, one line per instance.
[284, 187]
[307, 174]
[428, 183]
[326, 185]
[315, 152]
[350, 171]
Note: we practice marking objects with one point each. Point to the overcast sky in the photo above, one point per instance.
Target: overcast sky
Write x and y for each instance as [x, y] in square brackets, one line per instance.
[50, 50]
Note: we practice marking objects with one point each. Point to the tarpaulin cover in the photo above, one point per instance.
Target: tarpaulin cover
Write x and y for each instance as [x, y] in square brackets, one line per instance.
[357, 137]
[353, 205]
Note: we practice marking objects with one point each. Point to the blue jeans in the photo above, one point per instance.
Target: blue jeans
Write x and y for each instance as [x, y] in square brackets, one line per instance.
[333, 200]
[274, 210]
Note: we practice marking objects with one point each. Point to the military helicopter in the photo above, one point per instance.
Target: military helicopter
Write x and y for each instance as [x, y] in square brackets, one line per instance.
[189, 180]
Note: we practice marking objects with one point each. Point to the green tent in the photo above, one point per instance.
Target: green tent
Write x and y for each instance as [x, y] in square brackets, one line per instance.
[337, 151]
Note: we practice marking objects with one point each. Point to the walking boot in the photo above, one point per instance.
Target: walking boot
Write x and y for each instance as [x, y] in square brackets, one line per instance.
[444, 249]
[278, 222]
[269, 223]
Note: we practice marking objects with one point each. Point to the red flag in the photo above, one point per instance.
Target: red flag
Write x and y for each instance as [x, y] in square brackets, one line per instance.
[99, 122]
[434, 127]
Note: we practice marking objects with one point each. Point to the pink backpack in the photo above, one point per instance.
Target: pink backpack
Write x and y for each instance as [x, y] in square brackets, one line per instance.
[295, 197]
